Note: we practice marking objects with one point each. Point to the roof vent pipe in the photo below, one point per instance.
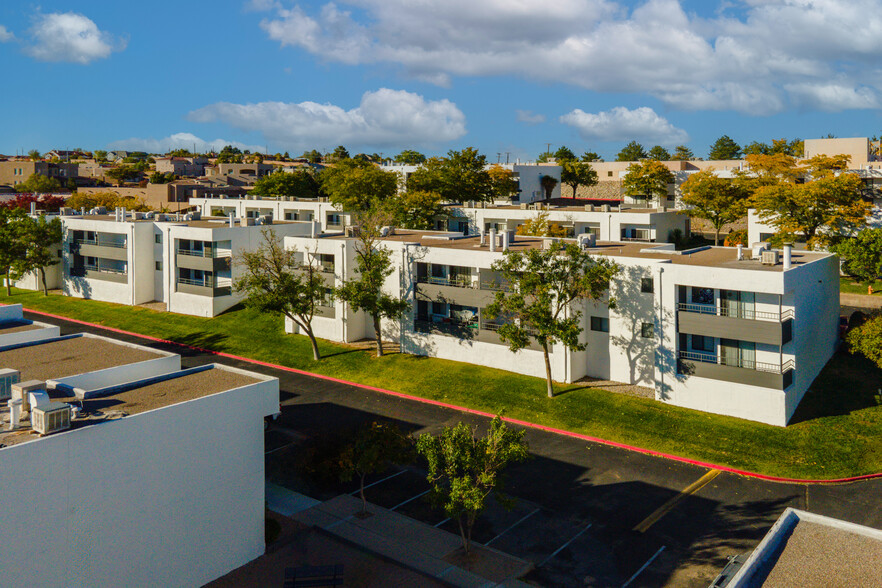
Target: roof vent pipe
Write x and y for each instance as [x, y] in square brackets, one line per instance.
[504, 241]
[232, 220]
[740, 252]
[788, 254]
[492, 239]
[34, 207]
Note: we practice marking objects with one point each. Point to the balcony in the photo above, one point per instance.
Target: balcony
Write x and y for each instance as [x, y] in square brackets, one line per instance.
[208, 259]
[455, 281]
[104, 248]
[773, 328]
[212, 287]
[748, 372]
[449, 327]
[207, 252]
[99, 272]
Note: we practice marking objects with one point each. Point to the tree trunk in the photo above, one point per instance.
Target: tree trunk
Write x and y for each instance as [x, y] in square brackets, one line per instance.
[716, 236]
[43, 279]
[8, 283]
[379, 336]
[548, 382]
[575, 187]
[315, 350]
[363, 499]
[462, 534]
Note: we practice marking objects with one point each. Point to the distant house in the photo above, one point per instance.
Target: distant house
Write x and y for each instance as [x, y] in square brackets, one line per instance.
[117, 156]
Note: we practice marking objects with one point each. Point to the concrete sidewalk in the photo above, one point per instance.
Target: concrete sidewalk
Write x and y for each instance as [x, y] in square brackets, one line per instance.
[414, 545]
[860, 300]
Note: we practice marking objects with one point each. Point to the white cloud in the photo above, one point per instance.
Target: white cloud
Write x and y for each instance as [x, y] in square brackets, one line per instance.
[764, 60]
[261, 5]
[383, 118]
[178, 141]
[70, 37]
[528, 117]
[5, 34]
[621, 124]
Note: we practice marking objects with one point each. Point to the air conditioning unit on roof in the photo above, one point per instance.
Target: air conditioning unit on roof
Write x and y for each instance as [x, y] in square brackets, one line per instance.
[51, 417]
[769, 257]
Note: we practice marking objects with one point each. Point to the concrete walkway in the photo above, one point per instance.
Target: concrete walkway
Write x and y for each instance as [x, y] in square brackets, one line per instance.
[860, 300]
[415, 545]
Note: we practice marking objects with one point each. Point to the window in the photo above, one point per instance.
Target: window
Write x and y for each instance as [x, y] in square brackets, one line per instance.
[599, 323]
[646, 285]
[157, 238]
[439, 308]
[646, 331]
[702, 295]
[158, 266]
[701, 343]
[609, 174]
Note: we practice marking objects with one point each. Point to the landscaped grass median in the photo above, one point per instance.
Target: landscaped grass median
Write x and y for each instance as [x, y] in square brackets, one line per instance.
[849, 286]
[837, 434]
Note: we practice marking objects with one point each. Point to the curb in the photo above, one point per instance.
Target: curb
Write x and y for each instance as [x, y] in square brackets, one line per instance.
[518, 422]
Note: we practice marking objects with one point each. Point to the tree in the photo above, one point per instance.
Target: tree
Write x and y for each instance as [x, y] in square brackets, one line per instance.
[544, 284]
[866, 339]
[826, 204]
[564, 154]
[12, 246]
[548, 184]
[45, 202]
[374, 449]
[356, 185]
[574, 174]
[229, 154]
[162, 178]
[647, 179]
[862, 255]
[539, 226]
[298, 184]
[410, 157]
[100, 155]
[659, 153]
[105, 199]
[633, 151]
[275, 280]
[34, 154]
[756, 148]
[415, 209]
[459, 177]
[502, 181]
[39, 184]
[122, 174]
[590, 156]
[464, 470]
[724, 148]
[718, 200]
[313, 156]
[682, 153]
[38, 236]
[373, 264]
[340, 153]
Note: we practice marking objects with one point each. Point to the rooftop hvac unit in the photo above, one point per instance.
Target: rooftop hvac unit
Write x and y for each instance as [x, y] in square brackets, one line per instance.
[51, 417]
[266, 219]
[589, 208]
[770, 257]
[524, 206]
[758, 249]
[21, 390]
[7, 379]
[587, 240]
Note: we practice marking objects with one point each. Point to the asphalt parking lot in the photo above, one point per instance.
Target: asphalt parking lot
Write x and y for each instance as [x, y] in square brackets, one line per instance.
[586, 514]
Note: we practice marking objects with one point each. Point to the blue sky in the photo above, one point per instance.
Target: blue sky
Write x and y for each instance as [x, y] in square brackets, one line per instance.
[505, 76]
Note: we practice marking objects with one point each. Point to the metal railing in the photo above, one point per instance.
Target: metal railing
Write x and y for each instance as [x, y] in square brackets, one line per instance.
[455, 281]
[101, 243]
[495, 286]
[495, 325]
[736, 312]
[637, 239]
[759, 366]
[211, 253]
[100, 269]
[207, 283]
[451, 327]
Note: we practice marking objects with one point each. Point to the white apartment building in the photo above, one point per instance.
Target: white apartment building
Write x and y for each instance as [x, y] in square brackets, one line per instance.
[185, 261]
[705, 329]
[127, 469]
[285, 208]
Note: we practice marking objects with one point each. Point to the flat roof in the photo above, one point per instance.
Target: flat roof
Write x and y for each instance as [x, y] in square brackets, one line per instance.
[560, 207]
[722, 257]
[56, 359]
[818, 554]
[18, 326]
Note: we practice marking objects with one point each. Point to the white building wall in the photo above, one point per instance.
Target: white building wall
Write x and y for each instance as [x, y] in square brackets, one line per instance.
[169, 497]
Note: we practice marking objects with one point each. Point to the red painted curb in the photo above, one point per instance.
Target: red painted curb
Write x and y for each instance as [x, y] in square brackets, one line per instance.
[473, 411]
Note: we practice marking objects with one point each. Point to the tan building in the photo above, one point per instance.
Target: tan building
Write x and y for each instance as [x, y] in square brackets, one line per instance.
[15, 172]
[256, 170]
[858, 148]
[174, 196]
[181, 166]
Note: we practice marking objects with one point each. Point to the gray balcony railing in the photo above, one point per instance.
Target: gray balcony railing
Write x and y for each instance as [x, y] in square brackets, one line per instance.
[100, 269]
[207, 282]
[495, 286]
[736, 312]
[771, 368]
[210, 253]
[494, 326]
[455, 281]
[101, 243]
[646, 239]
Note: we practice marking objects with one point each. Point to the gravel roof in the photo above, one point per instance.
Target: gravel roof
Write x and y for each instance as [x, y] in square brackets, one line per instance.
[69, 357]
[18, 326]
[816, 555]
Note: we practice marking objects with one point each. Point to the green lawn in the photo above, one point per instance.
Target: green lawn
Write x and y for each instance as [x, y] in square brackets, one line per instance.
[849, 286]
[837, 430]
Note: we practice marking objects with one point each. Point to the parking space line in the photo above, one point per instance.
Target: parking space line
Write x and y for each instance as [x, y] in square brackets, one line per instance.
[378, 482]
[511, 527]
[441, 523]
[411, 499]
[561, 548]
[668, 506]
[278, 448]
[643, 567]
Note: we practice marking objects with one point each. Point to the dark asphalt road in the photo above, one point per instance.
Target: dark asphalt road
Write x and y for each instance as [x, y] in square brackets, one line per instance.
[566, 486]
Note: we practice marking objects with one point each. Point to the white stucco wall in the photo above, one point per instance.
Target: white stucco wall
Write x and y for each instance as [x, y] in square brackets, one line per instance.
[169, 497]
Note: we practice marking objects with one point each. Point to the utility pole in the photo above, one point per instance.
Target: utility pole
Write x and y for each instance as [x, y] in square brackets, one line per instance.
[498, 157]
[548, 148]
[507, 153]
